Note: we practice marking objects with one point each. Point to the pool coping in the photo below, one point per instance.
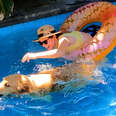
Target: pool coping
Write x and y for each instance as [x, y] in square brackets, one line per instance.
[42, 12]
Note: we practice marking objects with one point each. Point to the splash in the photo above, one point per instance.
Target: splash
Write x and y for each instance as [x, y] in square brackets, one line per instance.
[98, 76]
[42, 67]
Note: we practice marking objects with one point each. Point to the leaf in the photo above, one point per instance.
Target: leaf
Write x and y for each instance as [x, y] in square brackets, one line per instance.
[6, 7]
[1, 16]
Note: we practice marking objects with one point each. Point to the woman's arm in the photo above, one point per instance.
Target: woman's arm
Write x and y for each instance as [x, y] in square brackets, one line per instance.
[55, 53]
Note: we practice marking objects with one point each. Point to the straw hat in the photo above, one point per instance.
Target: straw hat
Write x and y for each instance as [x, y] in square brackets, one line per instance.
[45, 31]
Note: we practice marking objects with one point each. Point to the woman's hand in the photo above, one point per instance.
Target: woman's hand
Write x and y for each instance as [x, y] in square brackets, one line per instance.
[26, 57]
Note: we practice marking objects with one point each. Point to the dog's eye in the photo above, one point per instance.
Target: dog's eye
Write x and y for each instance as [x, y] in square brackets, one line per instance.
[7, 85]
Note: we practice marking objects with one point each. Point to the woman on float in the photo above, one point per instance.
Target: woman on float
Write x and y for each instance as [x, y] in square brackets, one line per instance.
[58, 44]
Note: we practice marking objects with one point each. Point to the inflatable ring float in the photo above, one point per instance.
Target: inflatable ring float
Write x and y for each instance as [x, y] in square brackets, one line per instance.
[104, 41]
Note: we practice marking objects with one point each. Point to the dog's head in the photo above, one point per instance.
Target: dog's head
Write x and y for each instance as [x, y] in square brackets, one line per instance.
[14, 84]
[22, 84]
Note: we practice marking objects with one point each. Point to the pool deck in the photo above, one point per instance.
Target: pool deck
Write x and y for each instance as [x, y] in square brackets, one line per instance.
[32, 10]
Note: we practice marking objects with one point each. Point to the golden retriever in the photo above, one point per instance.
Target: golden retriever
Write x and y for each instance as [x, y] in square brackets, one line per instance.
[45, 81]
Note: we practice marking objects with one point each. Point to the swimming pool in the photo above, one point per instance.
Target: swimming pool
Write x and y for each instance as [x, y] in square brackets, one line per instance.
[95, 99]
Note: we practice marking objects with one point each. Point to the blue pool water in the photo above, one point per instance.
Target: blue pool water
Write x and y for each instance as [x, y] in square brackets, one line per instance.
[96, 99]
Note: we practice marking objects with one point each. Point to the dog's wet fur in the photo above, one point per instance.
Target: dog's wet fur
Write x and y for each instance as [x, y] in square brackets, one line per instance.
[45, 81]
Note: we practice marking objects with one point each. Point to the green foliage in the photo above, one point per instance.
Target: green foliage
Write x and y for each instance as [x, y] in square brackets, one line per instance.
[6, 7]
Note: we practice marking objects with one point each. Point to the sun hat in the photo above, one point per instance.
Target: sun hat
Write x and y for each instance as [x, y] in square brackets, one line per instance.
[45, 31]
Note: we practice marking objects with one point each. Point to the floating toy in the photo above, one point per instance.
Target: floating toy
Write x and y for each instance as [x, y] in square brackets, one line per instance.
[105, 39]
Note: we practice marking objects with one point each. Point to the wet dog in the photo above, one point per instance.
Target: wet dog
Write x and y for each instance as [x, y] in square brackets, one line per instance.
[45, 81]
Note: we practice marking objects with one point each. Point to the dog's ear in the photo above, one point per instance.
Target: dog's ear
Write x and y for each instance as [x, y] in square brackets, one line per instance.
[23, 85]
[23, 90]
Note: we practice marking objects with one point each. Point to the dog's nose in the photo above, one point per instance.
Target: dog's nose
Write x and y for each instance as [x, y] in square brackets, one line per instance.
[1, 95]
